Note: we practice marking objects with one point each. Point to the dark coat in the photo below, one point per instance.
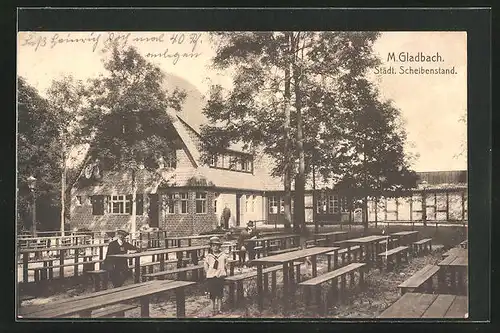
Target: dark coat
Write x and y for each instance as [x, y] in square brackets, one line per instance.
[245, 235]
[115, 248]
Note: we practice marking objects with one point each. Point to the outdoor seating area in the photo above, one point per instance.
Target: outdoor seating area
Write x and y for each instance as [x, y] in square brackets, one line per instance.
[317, 273]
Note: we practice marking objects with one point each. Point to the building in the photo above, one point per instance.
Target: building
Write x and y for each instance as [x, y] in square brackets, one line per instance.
[186, 197]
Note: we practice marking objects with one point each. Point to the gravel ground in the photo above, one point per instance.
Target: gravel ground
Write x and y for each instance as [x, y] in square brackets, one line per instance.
[380, 293]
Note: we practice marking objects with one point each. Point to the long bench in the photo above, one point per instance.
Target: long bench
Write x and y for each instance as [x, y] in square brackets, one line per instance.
[313, 286]
[236, 281]
[180, 271]
[398, 253]
[422, 246]
[419, 279]
[117, 310]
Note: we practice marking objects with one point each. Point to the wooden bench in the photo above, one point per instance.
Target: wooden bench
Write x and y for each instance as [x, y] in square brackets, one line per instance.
[283, 251]
[180, 271]
[310, 243]
[99, 278]
[149, 266]
[355, 251]
[419, 279]
[236, 281]
[117, 310]
[313, 286]
[46, 272]
[422, 245]
[259, 250]
[397, 252]
[321, 241]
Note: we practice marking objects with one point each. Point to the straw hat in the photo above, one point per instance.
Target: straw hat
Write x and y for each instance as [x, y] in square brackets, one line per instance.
[215, 240]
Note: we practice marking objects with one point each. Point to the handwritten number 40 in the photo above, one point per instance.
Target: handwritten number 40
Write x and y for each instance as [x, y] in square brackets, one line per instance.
[179, 38]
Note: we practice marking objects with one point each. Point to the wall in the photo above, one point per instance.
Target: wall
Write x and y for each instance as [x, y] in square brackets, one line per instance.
[178, 224]
[81, 216]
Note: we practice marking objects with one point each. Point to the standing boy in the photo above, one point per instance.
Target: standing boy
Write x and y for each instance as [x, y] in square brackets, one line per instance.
[215, 265]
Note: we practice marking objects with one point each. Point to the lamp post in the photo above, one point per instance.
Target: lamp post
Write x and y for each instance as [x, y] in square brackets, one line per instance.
[32, 187]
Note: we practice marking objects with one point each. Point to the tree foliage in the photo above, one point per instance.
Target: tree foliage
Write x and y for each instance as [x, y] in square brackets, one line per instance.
[338, 120]
[37, 155]
[126, 119]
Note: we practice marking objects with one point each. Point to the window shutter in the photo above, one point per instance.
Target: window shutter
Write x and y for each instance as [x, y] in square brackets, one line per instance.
[97, 205]
[139, 202]
[129, 204]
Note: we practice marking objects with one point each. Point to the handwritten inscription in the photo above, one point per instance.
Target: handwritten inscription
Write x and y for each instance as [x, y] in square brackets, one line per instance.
[96, 40]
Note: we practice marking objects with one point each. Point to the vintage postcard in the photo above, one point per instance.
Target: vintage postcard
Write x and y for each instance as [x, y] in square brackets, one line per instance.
[271, 174]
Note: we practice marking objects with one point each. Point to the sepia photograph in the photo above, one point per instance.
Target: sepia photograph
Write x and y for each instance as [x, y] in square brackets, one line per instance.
[242, 174]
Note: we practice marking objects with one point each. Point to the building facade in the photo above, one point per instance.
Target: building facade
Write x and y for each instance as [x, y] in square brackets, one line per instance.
[186, 197]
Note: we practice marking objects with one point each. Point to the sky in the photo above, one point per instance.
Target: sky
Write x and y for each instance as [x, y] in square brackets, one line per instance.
[431, 104]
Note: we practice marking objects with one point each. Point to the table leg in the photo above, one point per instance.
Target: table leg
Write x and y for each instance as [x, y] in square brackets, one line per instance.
[137, 267]
[25, 267]
[314, 266]
[259, 287]
[145, 307]
[180, 302]
[286, 283]
[162, 262]
[194, 259]
[61, 262]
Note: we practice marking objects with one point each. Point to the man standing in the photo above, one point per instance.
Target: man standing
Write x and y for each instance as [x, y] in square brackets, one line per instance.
[118, 267]
[226, 215]
[245, 245]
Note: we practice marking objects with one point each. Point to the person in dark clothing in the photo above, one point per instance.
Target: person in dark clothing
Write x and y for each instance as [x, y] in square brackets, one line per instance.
[118, 267]
[244, 245]
[226, 215]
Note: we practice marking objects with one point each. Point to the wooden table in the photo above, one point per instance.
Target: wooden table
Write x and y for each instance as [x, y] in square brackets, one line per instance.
[453, 265]
[286, 241]
[83, 305]
[416, 305]
[287, 259]
[404, 237]
[161, 254]
[369, 246]
[177, 241]
[331, 236]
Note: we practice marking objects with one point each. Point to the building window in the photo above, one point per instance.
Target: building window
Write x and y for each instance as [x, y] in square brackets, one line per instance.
[321, 206]
[291, 206]
[344, 205]
[213, 160]
[184, 203]
[333, 204]
[273, 205]
[170, 203]
[282, 205]
[232, 162]
[201, 202]
[79, 200]
[119, 204]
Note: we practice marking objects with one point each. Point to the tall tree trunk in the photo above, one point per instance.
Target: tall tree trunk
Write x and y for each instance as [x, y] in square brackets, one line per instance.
[300, 180]
[133, 225]
[63, 183]
[315, 218]
[287, 171]
[364, 211]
